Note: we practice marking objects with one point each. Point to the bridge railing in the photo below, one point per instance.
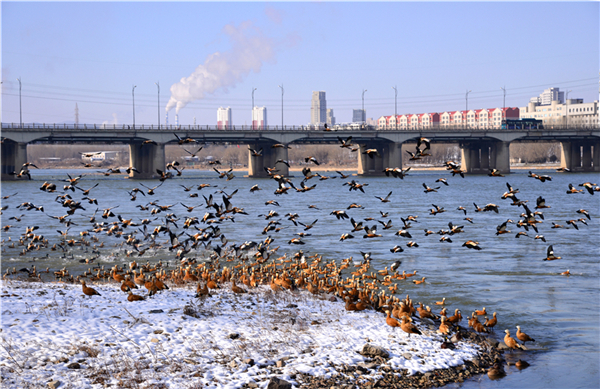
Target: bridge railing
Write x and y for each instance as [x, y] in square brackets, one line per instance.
[183, 128]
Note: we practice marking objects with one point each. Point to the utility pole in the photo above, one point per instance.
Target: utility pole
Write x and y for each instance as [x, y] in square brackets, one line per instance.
[133, 98]
[158, 86]
[20, 109]
[252, 116]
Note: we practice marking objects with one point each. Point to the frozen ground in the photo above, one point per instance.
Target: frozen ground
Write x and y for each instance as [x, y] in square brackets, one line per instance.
[52, 332]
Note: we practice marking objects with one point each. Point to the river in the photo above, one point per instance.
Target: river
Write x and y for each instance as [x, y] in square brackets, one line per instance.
[508, 276]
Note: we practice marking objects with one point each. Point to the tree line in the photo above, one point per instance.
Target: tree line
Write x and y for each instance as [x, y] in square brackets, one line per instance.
[69, 155]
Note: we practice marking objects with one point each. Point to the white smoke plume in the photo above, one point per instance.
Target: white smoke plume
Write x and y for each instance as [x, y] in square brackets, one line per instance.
[250, 49]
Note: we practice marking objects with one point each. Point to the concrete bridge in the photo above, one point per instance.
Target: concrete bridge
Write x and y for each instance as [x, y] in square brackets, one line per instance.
[481, 149]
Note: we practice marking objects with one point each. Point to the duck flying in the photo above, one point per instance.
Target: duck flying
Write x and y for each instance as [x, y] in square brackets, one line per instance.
[550, 254]
[472, 245]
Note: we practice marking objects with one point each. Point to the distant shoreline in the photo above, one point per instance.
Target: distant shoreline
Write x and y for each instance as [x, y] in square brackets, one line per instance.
[320, 168]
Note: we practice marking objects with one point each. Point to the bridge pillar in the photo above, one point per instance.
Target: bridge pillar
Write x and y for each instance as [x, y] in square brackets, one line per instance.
[270, 155]
[479, 157]
[580, 156]
[586, 157]
[14, 155]
[390, 155]
[485, 158]
[500, 156]
[146, 158]
[565, 155]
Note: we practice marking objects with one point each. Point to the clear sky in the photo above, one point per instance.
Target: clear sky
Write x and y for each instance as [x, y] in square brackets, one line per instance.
[210, 54]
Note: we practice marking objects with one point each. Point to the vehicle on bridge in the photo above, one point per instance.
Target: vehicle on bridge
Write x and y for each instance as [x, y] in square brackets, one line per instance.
[522, 124]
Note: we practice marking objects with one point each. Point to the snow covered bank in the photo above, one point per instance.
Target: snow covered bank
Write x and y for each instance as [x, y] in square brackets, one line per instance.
[52, 332]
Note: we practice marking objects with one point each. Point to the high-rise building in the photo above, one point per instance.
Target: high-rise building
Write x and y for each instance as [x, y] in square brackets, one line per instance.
[359, 115]
[548, 96]
[330, 117]
[259, 118]
[224, 118]
[318, 108]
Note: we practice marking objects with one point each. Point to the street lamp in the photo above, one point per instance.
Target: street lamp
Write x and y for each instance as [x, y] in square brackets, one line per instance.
[567, 107]
[467, 105]
[364, 115]
[504, 104]
[133, 99]
[158, 86]
[281, 86]
[20, 109]
[395, 106]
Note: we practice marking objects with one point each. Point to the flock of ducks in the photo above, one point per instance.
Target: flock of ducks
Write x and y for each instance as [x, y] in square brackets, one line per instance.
[246, 266]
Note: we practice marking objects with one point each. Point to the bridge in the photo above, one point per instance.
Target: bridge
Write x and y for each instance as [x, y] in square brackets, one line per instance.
[481, 149]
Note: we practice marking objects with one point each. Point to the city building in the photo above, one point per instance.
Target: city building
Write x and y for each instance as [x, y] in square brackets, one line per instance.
[330, 117]
[548, 96]
[259, 118]
[318, 108]
[475, 118]
[561, 112]
[224, 118]
[359, 115]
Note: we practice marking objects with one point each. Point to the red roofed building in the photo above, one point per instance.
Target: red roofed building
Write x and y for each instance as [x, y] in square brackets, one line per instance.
[486, 118]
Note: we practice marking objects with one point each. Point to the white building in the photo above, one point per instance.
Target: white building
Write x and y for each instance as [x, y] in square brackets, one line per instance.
[259, 118]
[573, 113]
[548, 96]
[551, 108]
[318, 108]
[224, 118]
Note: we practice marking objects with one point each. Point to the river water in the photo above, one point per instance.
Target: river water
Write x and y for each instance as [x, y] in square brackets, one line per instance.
[509, 276]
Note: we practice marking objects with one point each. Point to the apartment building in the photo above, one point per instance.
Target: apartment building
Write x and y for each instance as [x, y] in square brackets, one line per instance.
[476, 118]
[259, 118]
[224, 118]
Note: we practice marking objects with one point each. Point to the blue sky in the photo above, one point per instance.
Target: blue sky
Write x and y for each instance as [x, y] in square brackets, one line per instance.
[210, 54]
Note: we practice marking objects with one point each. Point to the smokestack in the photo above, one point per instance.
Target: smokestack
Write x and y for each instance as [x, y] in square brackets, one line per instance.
[176, 120]
[167, 119]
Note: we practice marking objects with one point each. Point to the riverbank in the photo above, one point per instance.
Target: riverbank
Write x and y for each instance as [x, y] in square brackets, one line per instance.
[54, 336]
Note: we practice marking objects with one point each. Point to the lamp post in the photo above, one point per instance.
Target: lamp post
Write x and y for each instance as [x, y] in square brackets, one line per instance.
[281, 86]
[364, 115]
[133, 100]
[567, 107]
[395, 106]
[20, 109]
[158, 86]
[504, 104]
[467, 106]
